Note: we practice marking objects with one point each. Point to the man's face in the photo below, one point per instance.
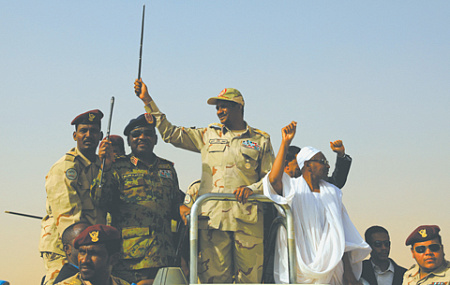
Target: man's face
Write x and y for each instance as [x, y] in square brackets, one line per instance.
[292, 169]
[228, 111]
[142, 140]
[381, 246]
[430, 255]
[319, 166]
[87, 137]
[94, 262]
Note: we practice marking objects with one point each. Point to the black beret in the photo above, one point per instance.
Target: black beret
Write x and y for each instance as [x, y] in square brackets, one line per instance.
[90, 117]
[97, 234]
[144, 120]
[423, 233]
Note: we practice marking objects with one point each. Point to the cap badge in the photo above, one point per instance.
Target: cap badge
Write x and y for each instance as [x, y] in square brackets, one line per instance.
[222, 92]
[94, 236]
[423, 233]
[91, 117]
[149, 118]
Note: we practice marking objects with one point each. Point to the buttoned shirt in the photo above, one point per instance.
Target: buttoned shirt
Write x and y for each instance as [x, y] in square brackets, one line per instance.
[228, 161]
[384, 277]
[69, 198]
[440, 276]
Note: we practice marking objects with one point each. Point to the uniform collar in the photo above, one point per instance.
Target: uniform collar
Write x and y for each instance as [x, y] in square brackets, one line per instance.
[440, 271]
[86, 162]
[247, 129]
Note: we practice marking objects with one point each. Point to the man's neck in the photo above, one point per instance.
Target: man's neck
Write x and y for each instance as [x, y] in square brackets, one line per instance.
[89, 155]
[312, 183]
[147, 158]
[237, 126]
[382, 264]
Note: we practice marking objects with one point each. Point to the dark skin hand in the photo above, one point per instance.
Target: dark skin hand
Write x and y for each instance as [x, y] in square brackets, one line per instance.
[242, 193]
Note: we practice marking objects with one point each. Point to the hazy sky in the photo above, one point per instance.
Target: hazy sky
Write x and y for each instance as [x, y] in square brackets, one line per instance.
[372, 73]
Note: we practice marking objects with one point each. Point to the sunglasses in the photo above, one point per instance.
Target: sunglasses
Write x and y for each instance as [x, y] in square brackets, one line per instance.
[321, 161]
[379, 243]
[138, 133]
[433, 248]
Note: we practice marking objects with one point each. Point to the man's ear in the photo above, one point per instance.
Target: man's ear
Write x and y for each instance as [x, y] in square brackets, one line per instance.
[101, 136]
[75, 136]
[114, 258]
[67, 249]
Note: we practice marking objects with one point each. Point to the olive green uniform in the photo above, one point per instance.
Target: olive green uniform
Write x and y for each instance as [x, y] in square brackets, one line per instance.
[77, 280]
[69, 200]
[142, 200]
[232, 230]
[440, 276]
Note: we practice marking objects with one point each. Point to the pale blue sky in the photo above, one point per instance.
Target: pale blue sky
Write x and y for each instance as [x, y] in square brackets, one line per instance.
[372, 73]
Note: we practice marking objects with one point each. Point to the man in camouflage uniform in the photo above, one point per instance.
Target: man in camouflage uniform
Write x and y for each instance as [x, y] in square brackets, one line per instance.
[428, 251]
[68, 186]
[99, 249]
[235, 157]
[142, 196]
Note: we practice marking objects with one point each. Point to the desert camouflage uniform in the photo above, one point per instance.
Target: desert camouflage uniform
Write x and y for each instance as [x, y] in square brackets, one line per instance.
[142, 200]
[76, 280]
[232, 229]
[440, 276]
[69, 200]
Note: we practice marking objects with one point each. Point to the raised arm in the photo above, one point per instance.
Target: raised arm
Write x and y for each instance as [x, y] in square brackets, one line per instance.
[276, 174]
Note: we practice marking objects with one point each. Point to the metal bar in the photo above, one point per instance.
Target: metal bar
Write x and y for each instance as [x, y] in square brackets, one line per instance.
[193, 231]
[107, 136]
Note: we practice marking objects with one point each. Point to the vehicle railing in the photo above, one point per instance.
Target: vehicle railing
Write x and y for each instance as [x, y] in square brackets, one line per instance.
[193, 231]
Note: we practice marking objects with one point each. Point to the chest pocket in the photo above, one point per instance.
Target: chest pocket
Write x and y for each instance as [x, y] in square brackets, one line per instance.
[216, 151]
[134, 187]
[250, 158]
[84, 193]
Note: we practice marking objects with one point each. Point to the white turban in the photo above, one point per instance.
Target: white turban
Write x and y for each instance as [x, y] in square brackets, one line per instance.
[306, 153]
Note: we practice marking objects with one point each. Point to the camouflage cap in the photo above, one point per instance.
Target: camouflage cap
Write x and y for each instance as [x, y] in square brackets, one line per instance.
[90, 118]
[423, 233]
[228, 94]
[97, 234]
[143, 120]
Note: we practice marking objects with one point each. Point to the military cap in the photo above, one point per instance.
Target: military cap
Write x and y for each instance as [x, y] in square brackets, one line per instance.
[423, 233]
[90, 117]
[228, 94]
[143, 120]
[97, 234]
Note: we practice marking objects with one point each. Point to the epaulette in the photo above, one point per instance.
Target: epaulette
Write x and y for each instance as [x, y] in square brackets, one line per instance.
[216, 126]
[266, 135]
[69, 157]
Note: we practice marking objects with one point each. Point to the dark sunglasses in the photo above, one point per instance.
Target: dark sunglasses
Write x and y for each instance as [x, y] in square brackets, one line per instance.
[321, 161]
[379, 243]
[138, 133]
[433, 248]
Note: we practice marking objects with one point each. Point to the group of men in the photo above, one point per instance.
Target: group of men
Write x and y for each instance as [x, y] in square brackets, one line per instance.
[141, 194]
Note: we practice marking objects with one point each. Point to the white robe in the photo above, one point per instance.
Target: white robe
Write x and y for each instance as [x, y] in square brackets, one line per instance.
[323, 232]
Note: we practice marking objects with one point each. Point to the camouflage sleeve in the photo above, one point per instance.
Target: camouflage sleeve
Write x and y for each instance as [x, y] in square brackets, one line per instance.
[186, 138]
[265, 166]
[61, 185]
[177, 198]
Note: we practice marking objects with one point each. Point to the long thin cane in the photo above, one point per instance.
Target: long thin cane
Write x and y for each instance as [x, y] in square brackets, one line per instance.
[107, 137]
[142, 42]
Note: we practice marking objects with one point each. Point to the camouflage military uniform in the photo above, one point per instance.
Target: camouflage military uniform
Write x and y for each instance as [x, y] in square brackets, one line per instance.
[228, 161]
[68, 186]
[440, 276]
[76, 280]
[142, 200]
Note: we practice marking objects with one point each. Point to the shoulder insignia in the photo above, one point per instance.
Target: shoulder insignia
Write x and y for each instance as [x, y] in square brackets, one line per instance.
[216, 126]
[71, 174]
[261, 132]
[165, 174]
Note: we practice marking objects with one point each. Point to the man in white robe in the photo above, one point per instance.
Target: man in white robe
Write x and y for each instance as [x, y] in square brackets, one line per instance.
[329, 249]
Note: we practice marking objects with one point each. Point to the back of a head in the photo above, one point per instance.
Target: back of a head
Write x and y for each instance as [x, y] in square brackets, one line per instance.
[292, 152]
